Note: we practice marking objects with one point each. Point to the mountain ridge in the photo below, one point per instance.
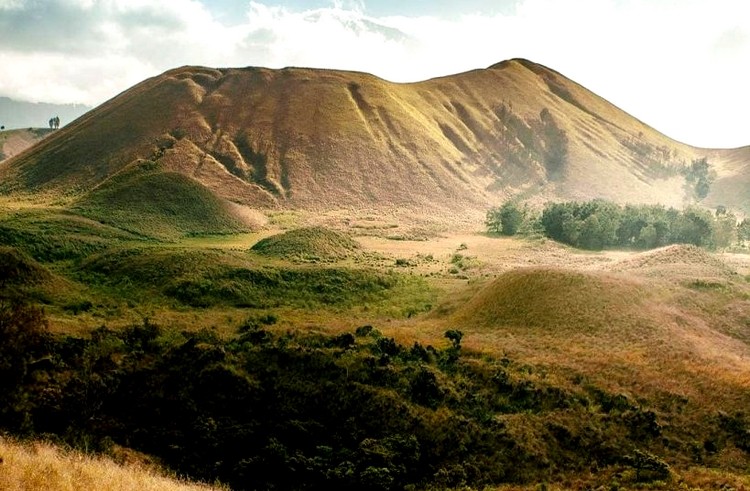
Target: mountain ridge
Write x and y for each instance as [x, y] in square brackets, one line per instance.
[302, 138]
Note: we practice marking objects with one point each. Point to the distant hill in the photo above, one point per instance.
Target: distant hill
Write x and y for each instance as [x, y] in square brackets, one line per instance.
[19, 114]
[322, 139]
[13, 142]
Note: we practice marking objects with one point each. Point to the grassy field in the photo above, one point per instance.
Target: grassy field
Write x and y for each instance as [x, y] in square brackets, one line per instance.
[662, 333]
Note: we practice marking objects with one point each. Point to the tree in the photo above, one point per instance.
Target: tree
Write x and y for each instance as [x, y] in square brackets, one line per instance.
[743, 230]
[694, 226]
[725, 232]
[506, 220]
[699, 174]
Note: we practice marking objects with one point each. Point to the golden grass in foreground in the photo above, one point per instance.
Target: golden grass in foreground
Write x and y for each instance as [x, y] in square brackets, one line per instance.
[43, 467]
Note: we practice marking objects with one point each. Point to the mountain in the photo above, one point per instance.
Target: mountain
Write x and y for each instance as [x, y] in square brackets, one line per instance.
[20, 114]
[323, 139]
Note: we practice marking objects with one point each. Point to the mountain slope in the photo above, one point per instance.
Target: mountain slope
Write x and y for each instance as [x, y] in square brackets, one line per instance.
[322, 139]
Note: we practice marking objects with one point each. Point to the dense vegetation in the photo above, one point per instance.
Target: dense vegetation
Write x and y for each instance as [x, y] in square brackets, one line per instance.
[600, 224]
[288, 410]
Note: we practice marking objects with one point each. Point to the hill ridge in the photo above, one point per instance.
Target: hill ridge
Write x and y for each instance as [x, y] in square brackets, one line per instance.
[322, 139]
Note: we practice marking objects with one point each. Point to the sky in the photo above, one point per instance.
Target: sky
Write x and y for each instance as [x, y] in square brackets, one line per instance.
[681, 66]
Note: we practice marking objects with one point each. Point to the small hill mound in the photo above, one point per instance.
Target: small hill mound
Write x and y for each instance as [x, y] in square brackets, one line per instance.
[21, 276]
[308, 244]
[678, 262]
[554, 300]
[19, 269]
[206, 278]
[164, 205]
[56, 235]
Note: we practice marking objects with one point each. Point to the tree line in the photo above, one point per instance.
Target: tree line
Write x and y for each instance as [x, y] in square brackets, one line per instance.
[600, 224]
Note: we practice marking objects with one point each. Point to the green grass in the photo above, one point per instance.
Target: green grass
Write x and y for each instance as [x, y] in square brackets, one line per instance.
[308, 244]
[210, 278]
[55, 235]
[162, 205]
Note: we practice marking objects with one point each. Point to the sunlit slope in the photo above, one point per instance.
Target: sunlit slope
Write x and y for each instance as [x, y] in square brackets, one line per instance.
[677, 317]
[13, 142]
[43, 467]
[732, 185]
[323, 139]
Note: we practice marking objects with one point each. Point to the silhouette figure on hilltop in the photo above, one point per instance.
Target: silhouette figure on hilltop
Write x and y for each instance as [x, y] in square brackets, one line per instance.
[54, 123]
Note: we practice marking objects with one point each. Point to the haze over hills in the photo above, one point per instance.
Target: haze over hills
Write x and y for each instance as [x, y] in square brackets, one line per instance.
[20, 114]
[13, 142]
[324, 139]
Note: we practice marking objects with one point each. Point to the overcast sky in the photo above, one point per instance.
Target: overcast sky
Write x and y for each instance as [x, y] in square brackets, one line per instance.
[682, 66]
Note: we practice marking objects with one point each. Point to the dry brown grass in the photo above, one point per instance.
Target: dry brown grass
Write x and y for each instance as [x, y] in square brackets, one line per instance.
[43, 467]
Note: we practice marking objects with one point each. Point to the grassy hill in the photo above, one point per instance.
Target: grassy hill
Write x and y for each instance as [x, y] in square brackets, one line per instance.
[157, 204]
[308, 244]
[326, 140]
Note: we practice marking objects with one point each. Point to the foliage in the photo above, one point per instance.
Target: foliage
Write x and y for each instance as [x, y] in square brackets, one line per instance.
[743, 230]
[506, 219]
[699, 175]
[23, 343]
[555, 145]
[601, 224]
[537, 141]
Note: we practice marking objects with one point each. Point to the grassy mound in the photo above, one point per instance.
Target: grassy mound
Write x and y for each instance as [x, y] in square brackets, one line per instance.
[308, 244]
[54, 235]
[22, 277]
[161, 205]
[677, 261]
[214, 278]
[551, 299]
[19, 269]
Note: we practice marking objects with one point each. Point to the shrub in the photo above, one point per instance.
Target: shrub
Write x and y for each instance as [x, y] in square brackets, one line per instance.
[505, 220]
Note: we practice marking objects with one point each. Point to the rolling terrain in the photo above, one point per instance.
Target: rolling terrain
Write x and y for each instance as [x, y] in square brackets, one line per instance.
[279, 279]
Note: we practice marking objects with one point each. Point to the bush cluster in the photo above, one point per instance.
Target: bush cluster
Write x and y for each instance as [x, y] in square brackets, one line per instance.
[600, 224]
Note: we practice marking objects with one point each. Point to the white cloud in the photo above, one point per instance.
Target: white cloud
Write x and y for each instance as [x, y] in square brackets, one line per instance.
[679, 66]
